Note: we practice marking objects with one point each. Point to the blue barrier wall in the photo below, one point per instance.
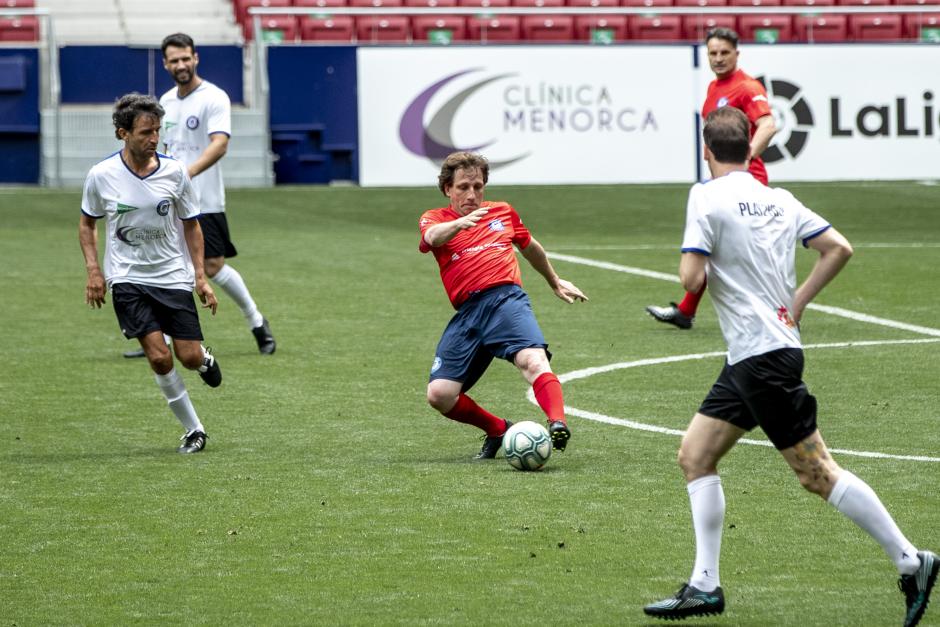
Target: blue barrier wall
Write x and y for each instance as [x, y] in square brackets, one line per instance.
[19, 115]
[314, 117]
[102, 74]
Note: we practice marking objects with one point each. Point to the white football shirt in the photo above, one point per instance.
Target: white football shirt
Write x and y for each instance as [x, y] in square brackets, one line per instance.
[187, 125]
[749, 232]
[145, 242]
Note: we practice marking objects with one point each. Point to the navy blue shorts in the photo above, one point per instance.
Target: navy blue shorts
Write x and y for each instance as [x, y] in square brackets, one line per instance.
[142, 309]
[216, 239]
[497, 322]
[765, 390]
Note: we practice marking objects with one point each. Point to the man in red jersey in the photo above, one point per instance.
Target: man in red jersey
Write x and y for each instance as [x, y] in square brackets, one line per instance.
[472, 241]
[731, 87]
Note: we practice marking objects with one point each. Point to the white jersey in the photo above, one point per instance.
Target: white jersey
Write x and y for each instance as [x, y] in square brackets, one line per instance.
[187, 125]
[749, 232]
[145, 243]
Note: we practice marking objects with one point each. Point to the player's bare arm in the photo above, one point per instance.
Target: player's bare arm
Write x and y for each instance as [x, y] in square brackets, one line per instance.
[692, 271]
[764, 131]
[440, 234]
[88, 239]
[534, 253]
[193, 234]
[834, 252]
[218, 146]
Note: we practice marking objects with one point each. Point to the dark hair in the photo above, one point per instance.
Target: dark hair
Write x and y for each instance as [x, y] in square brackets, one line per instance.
[129, 107]
[177, 40]
[720, 32]
[727, 134]
[461, 160]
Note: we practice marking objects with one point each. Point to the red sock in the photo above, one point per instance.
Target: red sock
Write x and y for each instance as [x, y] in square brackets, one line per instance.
[548, 393]
[468, 412]
[689, 304]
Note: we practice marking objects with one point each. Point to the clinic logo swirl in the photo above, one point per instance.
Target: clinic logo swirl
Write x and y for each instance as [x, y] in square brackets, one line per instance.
[793, 117]
[434, 140]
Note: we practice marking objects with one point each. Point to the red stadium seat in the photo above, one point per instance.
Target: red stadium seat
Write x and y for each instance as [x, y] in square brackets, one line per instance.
[765, 28]
[647, 3]
[863, 3]
[923, 27]
[242, 6]
[548, 27]
[808, 3]
[483, 4]
[701, 3]
[755, 3]
[319, 4]
[18, 4]
[600, 29]
[372, 29]
[655, 28]
[441, 29]
[333, 29]
[593, 3]
[430, 4]
[276, 28]
[694, 27]
[872, 27]
[486, 29]
[365, 4]
[537, 3]
[25, 28]
[817, 28]
[916, 2]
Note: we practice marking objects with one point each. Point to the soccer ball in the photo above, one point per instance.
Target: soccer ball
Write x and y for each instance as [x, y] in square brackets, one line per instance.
[527, 445]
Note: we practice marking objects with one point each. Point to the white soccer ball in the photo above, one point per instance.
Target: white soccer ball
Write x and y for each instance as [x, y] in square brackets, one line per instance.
[527, 445]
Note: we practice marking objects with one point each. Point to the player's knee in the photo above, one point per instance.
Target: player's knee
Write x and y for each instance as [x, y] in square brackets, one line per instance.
[694, 466]
[161, 362]
[190, 358]
[441, 399]
[213, 265]
[533, 362]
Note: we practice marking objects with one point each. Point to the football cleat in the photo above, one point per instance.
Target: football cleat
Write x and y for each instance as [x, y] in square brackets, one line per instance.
[491, 444]
[689, 601]
[560, 434]
[210, 371]
[917, 587]
[265, 339]
[193, 442]
[134, 354]
[671, 315]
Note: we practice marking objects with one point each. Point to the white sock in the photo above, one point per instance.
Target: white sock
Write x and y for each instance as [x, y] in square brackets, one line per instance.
[708, 518]
[232, 284]
[855, 498]
[173, 388]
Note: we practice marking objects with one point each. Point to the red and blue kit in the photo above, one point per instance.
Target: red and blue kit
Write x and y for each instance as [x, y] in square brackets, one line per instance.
[480, 257]
[741, 92]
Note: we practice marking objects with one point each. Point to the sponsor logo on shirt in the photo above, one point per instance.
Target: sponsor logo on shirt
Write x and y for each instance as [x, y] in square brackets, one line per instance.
[722, 102]
[192, 122]
[169, 125]
[497, 225]
[122, 208]
[163, 207]
[133, 236]
[759, 98]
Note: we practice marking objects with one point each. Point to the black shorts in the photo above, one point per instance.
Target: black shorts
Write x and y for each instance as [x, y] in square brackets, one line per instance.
[142, 309]
[215, 235]
[765, 390]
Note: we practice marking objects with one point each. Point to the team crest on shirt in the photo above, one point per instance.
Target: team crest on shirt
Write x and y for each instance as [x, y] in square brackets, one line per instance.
[192, 122]
[163, 207]
[436, 365]
[497, 225]
[722, 101]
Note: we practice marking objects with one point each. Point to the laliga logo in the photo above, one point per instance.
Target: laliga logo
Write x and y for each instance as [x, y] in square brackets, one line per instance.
[793, 118]
[434, 141]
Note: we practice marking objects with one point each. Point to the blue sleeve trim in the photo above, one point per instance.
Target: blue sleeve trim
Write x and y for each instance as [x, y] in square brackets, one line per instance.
[815, 234]
[91, 216]
[697, 251]
[229, 135]
[195, 217]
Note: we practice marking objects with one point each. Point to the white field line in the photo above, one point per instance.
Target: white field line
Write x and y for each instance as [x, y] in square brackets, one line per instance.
[835, 311]
[900, 245]
[640, 426]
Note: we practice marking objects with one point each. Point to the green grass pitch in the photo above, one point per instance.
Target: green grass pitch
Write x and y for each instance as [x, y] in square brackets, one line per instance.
[330, 493]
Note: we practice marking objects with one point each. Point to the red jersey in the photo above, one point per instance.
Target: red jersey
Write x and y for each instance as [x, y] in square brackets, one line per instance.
[480, 257]
[741, 92]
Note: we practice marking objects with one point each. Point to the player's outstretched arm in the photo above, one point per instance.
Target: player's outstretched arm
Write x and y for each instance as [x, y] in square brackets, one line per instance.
[193, 234]
[834, 252]
[565, 290]
[88, 239]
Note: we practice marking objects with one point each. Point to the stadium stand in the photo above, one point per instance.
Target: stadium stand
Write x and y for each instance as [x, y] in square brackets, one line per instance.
[442, 29]
[766, 28]
[372, 29]
[602, 29]
[24, 28]
[821, 28]
[881, 27]
[548, 28]
[694, 27]
[655, 28]
[489, 29]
